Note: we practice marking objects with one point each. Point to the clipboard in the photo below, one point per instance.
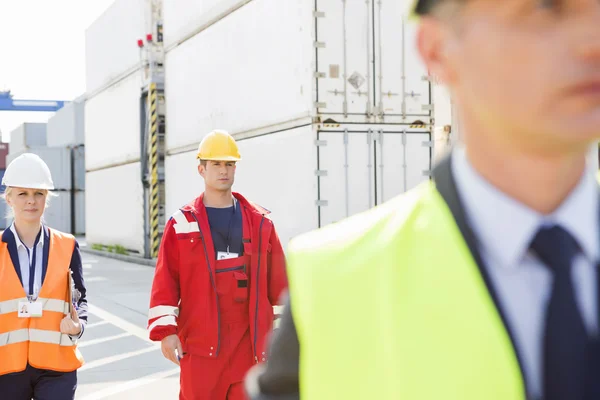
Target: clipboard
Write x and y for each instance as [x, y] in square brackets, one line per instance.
[70, 286]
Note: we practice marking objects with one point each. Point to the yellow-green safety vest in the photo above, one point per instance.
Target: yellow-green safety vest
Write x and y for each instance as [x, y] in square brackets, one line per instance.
[390, 304]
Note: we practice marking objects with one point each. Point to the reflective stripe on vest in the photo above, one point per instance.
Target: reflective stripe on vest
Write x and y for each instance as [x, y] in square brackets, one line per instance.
[390, 304]
[55, 305]
[35, 335]
[38, 341]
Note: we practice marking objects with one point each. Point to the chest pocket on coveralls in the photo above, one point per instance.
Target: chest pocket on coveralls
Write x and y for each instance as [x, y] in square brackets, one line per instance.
[232, 278]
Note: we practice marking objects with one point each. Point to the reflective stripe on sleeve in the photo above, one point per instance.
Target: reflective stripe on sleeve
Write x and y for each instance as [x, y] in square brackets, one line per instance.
[164, 321]
[162, 311]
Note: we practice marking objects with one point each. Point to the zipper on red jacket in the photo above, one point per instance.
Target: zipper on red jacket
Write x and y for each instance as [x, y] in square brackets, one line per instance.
[257, 272]
[212, 282]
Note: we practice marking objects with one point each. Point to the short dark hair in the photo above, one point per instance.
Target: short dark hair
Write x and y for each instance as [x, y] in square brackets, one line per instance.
[203, 163]
[427, 7]
[424, 7]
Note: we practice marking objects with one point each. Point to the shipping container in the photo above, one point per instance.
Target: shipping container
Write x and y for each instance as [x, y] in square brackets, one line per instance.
[4, 220]
[79, 213]
[114, 207]
[66, 126]
[184, 17]
[2, 187]
[79, 167]
[111, 42]
[112, 125]
[4, 148]
[58, 160]
[315, 175]
[269, 71]
[28, 134]
[58, 212]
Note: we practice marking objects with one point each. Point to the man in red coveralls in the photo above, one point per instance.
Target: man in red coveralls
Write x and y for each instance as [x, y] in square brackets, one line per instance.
[220, 271]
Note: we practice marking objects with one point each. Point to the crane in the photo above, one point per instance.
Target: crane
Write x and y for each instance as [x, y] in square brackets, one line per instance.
[7, 103]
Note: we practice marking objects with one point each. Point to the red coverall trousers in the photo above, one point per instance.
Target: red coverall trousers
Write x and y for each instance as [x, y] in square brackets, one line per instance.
[221, 378]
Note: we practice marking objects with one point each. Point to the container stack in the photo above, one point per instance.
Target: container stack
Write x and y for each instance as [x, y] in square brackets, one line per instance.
[3, 153]
[113, 128]
[60, 144]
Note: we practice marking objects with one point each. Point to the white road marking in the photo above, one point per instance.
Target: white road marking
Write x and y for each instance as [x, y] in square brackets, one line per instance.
[102, 394]
[121, 323]
[92, 342]
[87, 266]
[99, 323]
[118, 357]
[95, 279]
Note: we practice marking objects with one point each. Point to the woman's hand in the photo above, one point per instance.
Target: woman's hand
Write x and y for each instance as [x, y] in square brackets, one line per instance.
[70, 324]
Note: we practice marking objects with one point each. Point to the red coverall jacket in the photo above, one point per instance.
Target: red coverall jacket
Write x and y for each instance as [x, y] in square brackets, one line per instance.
[184, 300]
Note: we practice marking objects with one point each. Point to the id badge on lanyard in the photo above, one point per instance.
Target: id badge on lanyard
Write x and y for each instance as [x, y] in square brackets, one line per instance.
[31, 308]
[226, 255]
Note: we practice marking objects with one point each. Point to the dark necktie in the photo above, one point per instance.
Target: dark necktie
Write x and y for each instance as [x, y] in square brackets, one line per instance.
[565, 336]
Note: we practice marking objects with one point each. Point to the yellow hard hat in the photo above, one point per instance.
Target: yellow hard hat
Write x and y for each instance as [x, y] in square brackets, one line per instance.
[218, 145]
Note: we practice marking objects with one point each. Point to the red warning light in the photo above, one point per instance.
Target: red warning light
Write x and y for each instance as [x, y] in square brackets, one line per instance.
[149, 37]
[140, 43]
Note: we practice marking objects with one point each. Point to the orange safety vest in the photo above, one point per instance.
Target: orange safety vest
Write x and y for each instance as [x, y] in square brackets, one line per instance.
[38, 341]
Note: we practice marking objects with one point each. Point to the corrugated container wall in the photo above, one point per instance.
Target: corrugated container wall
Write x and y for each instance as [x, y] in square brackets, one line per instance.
[114, 207]
[4, 148]
[365, 67]
[28, 134]
[79, 213]
[187, 16]
[110, 42]
[66, 126]
[79, 167]
[58, 213]
[274, 85]
[59, 163]
[112, 125]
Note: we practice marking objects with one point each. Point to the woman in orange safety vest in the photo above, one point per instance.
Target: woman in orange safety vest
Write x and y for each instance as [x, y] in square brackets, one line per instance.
[43, 307]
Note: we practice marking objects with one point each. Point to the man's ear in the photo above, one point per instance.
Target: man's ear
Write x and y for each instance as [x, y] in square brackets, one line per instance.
[435, 41]
[201, 170]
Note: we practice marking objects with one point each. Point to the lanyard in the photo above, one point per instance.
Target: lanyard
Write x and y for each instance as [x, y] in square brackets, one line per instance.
[31, 260]
[230, 229]
[231, 226]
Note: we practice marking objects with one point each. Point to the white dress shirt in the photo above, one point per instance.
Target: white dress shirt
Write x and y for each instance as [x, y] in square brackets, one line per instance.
[505, 228]
[26, 258]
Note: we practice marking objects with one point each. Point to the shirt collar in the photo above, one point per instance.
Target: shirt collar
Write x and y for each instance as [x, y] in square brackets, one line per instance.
[18, 239]
[505, 227]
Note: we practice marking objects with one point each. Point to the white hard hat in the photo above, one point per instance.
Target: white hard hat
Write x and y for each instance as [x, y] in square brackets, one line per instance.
[28, 171]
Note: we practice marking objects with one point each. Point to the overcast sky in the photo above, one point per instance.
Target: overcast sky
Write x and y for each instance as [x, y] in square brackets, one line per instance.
[42, 52]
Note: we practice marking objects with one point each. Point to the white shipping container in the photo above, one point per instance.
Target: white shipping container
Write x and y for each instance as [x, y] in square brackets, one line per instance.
[27, 135]
[4, 222]
[79, 213]
[112, 125]
[58, 213]
[58, 160]
[184, 17]
[269, 67]
[79, 167]
[354, 168]
[111, 42]
[114, 207]
[66, 126]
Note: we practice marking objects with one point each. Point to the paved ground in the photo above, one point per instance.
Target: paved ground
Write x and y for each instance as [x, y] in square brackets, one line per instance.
[121, 363]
